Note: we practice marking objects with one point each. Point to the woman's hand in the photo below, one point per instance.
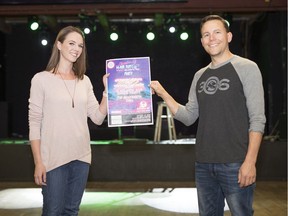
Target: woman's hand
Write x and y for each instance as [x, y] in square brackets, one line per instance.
[40, 174]
[104, 79]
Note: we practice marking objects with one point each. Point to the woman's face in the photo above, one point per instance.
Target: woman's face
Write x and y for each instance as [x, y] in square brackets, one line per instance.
[71, 48]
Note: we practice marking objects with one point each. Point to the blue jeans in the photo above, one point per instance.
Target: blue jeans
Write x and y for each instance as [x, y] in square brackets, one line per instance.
[64, 190]
[218, 181]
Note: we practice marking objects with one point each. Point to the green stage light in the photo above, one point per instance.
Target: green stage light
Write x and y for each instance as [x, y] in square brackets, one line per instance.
[172, 29]
[87, 23]
[150, 36]
[44, 42]
[114, 36]
[114, 33]
[87, 30]
[44, 37]
[34, 26]
[33, 23]
[172, 23]
[89, 26]
[184, 36]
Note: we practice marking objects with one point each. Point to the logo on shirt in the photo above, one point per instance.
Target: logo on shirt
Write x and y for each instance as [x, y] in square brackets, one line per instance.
[213, 84]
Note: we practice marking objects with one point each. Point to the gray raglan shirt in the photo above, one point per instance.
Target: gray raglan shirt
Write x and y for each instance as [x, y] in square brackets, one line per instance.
[229, 101]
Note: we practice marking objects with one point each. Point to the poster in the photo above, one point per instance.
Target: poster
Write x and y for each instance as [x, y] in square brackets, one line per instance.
[129, 95]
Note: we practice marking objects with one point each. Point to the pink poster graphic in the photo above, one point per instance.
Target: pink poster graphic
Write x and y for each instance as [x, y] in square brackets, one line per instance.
[129, 94]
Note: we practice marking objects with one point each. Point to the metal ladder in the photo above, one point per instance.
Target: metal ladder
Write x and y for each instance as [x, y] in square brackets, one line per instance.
[170, 122]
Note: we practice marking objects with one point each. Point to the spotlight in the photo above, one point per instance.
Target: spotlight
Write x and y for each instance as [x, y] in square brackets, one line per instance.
[184, 36]
[44, 37]
[34, 26]
[87, 30]
[172, 29]
[172, 23]
[33, 23]
[150, 36]
[44, 42]
[87, 23]
[114, 36]
[89, 26]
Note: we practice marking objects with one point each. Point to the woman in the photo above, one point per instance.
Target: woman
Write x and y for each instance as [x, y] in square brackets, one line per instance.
[61, 99]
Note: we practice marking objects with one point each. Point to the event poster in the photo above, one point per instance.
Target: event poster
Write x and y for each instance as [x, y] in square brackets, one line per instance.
[129, 94]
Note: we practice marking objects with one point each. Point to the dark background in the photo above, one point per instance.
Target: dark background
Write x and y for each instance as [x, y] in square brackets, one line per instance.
[173, 63]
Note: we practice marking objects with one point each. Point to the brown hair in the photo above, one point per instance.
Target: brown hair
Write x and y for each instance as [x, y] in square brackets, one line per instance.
[214, 17]
[79, 66]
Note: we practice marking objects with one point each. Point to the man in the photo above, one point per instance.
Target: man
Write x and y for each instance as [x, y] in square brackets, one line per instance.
[227, 96]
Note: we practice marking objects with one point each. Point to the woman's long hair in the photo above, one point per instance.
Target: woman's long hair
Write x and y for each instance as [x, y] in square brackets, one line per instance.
[79, 66]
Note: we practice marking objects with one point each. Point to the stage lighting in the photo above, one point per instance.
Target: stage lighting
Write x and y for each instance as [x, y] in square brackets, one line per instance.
[184, 36]
[172, 23]
[33, 23]
[150, 36]
[44, 37]
[114, 36]
[87, 23]
[172, 29]
[44, 42]
[87, 30]
[89, 26]
[34, 26]
[103, 20]
[159, 19]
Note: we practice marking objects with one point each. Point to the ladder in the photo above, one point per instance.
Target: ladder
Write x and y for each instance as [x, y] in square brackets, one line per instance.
[170, 122]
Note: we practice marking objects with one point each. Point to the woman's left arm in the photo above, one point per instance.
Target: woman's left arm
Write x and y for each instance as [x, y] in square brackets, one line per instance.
[103, 103]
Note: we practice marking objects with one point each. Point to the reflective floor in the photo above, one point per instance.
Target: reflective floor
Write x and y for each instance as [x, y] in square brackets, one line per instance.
[270, 199]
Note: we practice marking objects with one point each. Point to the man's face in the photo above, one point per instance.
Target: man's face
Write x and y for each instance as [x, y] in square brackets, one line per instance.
[215, 38]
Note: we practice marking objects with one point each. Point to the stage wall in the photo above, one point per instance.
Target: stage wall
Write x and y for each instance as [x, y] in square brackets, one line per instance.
[137, 161]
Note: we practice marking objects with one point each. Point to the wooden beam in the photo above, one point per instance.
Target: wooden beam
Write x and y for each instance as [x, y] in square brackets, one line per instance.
[191, 6]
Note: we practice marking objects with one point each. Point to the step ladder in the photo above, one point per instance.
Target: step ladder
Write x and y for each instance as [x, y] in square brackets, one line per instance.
[170, 122]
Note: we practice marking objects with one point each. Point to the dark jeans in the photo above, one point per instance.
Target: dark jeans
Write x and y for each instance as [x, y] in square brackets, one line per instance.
[64, 190]
[216, 182]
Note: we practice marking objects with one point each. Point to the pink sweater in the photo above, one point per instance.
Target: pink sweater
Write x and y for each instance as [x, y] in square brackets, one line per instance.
[62, 130]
